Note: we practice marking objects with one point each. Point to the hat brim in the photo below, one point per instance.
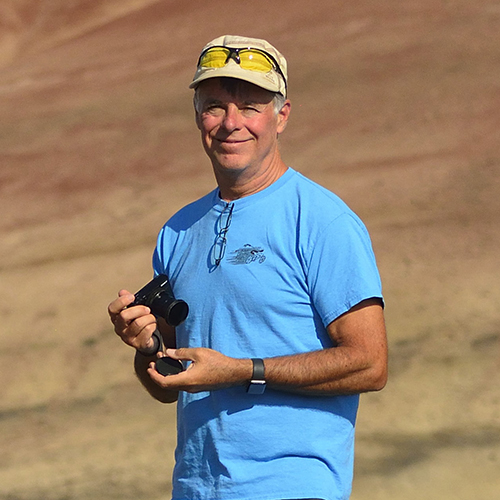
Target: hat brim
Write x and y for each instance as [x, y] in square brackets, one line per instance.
[270, 81]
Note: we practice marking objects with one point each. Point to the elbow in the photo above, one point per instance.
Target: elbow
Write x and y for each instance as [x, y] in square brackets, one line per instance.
[378, 378]
[379, 383]
[166, 397]
[378, 372]
[162, 395]
[374, 376]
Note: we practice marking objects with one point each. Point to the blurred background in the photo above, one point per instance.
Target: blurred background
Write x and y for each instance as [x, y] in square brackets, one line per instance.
[396, 108]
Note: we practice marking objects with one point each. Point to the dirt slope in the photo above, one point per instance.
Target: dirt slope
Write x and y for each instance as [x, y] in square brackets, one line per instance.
[395, 108]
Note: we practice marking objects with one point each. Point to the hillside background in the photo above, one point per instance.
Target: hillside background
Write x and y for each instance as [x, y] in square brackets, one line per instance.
[396, 108]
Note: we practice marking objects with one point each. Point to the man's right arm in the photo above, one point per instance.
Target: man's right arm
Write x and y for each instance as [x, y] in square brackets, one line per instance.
[135, 326]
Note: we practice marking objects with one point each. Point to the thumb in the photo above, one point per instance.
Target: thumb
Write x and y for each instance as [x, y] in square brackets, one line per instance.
[182, 354]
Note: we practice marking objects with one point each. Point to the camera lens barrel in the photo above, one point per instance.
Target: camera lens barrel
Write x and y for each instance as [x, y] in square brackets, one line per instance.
[177, 312]
[165, 305]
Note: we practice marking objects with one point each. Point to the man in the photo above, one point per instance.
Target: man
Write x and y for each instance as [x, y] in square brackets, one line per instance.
[286, 322]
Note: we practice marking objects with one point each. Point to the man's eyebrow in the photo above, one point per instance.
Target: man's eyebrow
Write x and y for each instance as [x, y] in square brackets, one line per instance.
[255, 103]
[247, 102]
[212, 101]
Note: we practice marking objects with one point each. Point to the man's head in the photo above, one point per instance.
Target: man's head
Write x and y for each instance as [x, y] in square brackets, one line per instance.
[239, 124]
[250, 59]
[241, 108]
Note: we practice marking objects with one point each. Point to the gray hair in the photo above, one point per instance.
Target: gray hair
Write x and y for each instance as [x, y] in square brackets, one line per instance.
[278, 99]
[278, 102]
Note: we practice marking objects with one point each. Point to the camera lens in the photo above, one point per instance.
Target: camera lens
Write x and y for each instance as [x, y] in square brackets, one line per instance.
[174, 311]
[177, 312]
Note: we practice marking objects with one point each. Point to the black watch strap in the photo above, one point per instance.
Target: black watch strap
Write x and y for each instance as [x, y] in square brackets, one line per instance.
[258, 383]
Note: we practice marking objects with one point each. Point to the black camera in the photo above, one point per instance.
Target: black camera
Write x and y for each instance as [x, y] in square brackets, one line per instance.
[158, 296]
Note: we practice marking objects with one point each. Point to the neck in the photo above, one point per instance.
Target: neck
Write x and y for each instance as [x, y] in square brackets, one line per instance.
[238, 184]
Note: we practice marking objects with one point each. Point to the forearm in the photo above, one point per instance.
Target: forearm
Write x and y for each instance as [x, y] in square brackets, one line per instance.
[357, 364]
[333, 371]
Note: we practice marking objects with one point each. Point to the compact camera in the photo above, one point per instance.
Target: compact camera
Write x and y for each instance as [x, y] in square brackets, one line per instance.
[158, 296]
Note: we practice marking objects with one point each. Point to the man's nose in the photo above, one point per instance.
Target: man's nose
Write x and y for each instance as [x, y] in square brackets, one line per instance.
[232, 118]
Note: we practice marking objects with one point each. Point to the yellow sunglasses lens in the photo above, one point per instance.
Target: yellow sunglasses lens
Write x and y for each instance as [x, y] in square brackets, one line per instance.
[214, 58]
[251, 59]
[255, 60]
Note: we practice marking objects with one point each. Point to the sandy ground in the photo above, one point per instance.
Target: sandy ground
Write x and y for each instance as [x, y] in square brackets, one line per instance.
[396, 108]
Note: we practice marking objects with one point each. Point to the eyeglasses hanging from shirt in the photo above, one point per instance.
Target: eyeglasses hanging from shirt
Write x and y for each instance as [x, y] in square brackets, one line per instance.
[223, 223]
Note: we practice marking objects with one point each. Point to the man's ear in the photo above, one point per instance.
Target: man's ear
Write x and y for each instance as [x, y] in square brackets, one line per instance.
[283, 115]
[197, 119]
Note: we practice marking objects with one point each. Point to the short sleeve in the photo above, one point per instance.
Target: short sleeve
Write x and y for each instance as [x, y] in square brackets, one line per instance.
[159, 254]
[342, 268]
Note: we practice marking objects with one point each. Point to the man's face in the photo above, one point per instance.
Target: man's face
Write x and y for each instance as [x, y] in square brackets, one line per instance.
[239, 132]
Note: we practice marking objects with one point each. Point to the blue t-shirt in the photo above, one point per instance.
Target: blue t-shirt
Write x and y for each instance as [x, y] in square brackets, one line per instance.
[295, 258]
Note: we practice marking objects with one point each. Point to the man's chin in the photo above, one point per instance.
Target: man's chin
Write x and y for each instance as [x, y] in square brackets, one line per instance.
[230, 163]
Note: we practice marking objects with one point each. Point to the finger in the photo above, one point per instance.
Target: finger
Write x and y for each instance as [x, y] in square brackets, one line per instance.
[128, 323]
[138, 333]
[182, 354]
[134, 313]
[124, 299]
[144, 340]
[173, 382]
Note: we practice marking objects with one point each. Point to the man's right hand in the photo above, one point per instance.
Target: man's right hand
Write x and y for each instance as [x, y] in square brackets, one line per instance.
[134, 325]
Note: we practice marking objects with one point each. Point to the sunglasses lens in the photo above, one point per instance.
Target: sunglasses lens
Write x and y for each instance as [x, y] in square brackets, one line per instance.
[255, 60]
[251, 59]
[214, 58]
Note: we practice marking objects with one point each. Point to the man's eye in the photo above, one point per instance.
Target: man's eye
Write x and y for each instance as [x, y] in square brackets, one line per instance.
[214, 108]
[249, 109]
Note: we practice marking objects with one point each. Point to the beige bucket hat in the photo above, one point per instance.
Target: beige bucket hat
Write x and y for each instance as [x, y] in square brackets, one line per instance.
[275, 80]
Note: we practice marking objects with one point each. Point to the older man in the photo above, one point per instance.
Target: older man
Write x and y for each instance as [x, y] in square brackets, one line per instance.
[286, 322]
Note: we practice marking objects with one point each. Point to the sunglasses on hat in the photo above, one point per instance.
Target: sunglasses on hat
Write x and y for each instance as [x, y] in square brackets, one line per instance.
[248, 58]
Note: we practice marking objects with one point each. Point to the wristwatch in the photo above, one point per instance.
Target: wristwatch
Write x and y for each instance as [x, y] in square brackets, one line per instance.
[258, 383]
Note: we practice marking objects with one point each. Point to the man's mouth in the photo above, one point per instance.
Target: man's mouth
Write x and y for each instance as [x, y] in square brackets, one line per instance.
[230, 144]
[232, 141]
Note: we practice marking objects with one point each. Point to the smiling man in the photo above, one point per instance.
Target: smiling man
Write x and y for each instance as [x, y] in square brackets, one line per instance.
[286, 323]
[239, 127]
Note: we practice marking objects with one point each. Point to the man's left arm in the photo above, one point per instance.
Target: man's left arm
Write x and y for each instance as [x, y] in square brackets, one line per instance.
[357, 363]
